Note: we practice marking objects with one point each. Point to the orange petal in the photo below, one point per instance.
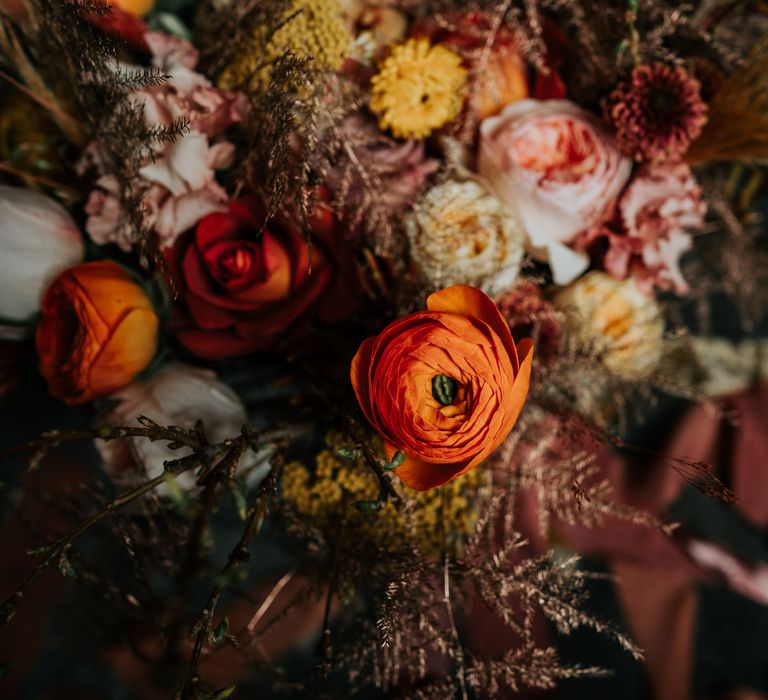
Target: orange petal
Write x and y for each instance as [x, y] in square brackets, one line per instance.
[469, 301]
[516, 399]
[359, 374]
[422, 476]
[128, 352]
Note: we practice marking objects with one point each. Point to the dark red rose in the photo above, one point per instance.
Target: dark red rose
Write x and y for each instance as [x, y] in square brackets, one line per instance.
[241, 290]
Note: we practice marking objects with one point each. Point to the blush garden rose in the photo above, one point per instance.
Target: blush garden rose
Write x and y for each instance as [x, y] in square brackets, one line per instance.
[444, 386]
[460, 233]
[621, 324]
[558, 170]
[97, 332]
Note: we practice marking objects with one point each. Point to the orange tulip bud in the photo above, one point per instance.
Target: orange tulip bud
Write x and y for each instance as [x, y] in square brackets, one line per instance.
[98, 330]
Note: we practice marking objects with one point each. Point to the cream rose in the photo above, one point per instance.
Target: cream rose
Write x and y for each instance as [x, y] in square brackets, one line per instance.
[558, 170]
[461, 234]
[617, 321]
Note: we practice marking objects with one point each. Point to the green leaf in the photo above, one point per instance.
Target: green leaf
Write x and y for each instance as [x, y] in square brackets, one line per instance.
[220, 632]
[238, 499]
[369, 506]
[348, 453]
[397, 459]
[170, 24]
[105, 432]
[37, 551]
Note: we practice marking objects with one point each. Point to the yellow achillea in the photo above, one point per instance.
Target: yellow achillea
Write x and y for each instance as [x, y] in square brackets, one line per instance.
[330, 493]
[419, 88]
[314, 29]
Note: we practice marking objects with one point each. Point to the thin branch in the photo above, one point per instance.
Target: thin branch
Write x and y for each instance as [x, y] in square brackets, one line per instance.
[385, 483]
[54, 550]
[240, 554]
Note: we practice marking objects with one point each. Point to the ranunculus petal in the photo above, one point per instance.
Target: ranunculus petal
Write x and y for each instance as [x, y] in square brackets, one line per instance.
[423, 476]
[461, 299]
[126, 351]
[359, 374]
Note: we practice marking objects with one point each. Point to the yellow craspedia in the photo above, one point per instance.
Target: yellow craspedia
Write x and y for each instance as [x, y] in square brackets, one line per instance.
[328, 495]
[312, 29]
[419, 88]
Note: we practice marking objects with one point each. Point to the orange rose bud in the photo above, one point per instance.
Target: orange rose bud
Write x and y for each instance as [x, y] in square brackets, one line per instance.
[504, 80]
[98, 330]
[444, 386]
[137, 8]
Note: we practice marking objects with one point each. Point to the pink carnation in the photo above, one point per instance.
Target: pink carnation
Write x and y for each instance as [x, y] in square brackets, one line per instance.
[650, 232]
[181, 180]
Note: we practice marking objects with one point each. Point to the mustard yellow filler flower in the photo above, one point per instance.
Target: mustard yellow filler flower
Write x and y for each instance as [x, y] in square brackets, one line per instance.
[419, 88]
[311, 29]
[326, 494]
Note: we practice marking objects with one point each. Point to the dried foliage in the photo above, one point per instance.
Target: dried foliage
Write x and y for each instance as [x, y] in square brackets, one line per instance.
[88, 94]
[731, 258]
[738, 115]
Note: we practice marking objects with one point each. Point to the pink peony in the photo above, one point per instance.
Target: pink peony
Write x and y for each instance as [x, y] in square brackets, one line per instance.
[558, 170]
[651, 230]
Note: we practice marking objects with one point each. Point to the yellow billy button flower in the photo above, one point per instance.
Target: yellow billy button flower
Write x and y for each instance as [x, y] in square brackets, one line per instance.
[419, 88]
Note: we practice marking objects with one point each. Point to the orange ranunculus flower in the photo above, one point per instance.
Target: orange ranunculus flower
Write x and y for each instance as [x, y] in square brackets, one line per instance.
[98, 330]
[444, 386]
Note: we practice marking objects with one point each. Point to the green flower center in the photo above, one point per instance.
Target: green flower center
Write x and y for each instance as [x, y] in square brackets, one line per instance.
[444, 389]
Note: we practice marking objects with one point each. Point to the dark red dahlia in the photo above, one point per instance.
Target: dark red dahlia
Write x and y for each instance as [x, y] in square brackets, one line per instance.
[656, 112]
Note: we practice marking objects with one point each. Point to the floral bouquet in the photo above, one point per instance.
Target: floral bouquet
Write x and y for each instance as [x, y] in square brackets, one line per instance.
[375, 288]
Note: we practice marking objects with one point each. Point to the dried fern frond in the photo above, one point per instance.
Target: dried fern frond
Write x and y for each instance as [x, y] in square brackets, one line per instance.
[737, 128]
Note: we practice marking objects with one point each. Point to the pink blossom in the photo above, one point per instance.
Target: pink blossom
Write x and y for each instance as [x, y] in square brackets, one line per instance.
[400, 168]
[181, 176]
[557, 170]
[650, 233]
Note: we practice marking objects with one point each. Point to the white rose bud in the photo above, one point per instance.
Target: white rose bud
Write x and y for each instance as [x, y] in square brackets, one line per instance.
[38, 240]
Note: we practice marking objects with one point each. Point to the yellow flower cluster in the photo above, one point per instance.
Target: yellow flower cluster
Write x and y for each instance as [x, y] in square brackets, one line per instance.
[330, 494]
[419, 88]
[314, 29]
